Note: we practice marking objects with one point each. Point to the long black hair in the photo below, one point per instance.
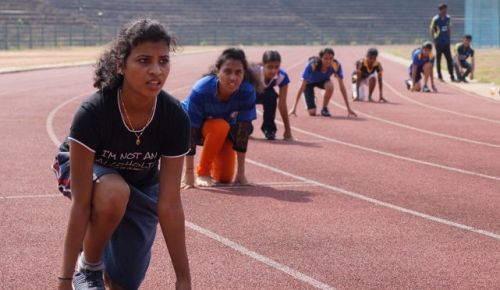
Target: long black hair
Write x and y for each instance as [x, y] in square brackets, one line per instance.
[270, 56]
[237, 54]
[316, 60]
[106, 74]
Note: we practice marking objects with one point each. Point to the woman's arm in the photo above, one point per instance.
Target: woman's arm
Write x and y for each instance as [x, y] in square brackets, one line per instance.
[81, 162]
[381, 88]
[358, 82]
[297, 98]
[282, 105]
[350, 112]
[413, 77]
[171, 216]
[240, 172]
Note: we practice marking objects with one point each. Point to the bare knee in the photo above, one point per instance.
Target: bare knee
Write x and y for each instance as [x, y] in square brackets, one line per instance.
[427, 68]
[110, 198]
[329, 87]
[372, 82]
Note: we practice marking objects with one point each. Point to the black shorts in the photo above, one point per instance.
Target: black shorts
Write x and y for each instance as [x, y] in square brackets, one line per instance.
[309, 93]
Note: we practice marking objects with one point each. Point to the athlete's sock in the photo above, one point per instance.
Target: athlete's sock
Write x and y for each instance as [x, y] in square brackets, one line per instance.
[84, 265]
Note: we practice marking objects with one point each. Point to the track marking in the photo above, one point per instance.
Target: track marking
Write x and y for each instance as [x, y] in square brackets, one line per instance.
[378, 202]
[233, 245]
[433, 133]
[253, 185]
[30, 196]
[392, 155]
[263, 259]
[439, 109]
[405, 63]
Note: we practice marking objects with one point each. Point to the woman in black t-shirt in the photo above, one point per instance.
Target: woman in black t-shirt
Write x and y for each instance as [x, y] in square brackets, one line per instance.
[118, 138]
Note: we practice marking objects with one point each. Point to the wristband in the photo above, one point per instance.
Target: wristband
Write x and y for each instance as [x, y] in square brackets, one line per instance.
[65, 278]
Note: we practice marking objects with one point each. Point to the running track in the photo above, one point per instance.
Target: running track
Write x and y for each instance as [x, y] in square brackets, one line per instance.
[407, 196]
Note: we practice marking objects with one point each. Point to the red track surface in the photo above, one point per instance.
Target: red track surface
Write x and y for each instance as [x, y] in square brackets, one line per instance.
[407, 196]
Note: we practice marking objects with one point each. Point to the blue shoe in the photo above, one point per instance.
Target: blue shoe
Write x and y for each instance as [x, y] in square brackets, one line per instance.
[88, 279]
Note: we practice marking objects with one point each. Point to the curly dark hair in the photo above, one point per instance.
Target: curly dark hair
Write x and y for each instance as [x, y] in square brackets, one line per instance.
[106, 74]
[238, 54]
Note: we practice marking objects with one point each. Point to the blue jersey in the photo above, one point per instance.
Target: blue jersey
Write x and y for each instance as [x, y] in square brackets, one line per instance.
[313, 74]
[440, 28]
[203, 103]
[281, 79]
[419, 60]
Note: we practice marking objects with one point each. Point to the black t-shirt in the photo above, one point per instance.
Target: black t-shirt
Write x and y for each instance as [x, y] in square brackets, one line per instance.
[99, 126]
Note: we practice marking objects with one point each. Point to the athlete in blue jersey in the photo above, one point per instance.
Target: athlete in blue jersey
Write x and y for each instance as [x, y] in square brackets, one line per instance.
[221, 107]
[317, 74]
[440, 30]
[422, 63]
[271, 75]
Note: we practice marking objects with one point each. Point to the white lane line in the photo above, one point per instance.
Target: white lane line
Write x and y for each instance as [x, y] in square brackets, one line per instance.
[440, 109]
[406, 63]
[378, 202]
[30, 196]
[233, 245]
[433, 133]
[263, 259]
[225, 187]
[392, 155]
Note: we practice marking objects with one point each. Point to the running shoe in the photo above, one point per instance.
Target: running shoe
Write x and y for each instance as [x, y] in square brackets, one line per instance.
[408, 84]
[270, 135]
[426, 89]
[86, 279]
[325, 112]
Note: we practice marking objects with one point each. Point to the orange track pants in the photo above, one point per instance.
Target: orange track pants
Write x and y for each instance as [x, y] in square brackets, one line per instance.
[218, 159]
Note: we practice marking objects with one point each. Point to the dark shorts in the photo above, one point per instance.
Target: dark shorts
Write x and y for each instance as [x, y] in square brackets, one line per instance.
[309, 93]
[128, 253]
[465, 64]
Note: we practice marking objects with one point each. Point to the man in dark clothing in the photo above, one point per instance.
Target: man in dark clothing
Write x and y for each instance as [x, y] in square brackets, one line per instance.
[440, 30]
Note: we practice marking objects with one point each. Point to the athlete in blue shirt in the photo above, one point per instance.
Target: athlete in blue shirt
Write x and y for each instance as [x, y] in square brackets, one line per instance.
[440, 30]
[317, 74]
[271, 75]
[221, 107]
[463, 51]
[422, 63]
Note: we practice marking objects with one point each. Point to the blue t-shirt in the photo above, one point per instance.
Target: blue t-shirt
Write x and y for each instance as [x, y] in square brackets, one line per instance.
[313, 74]
[203, 103]
[419, 59]
[281, 79]
[440, 27]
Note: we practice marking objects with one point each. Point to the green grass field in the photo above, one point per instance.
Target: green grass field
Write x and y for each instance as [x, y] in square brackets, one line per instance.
[487, 61]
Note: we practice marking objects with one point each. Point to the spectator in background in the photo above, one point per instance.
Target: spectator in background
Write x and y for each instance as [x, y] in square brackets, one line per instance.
[368, 71]
[317, 74]
[422, 63]
[463, 51]
[221, 107]
[440, 30]
[271, 75]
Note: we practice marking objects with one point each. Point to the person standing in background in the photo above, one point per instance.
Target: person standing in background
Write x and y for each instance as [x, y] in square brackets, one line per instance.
[440, 30]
